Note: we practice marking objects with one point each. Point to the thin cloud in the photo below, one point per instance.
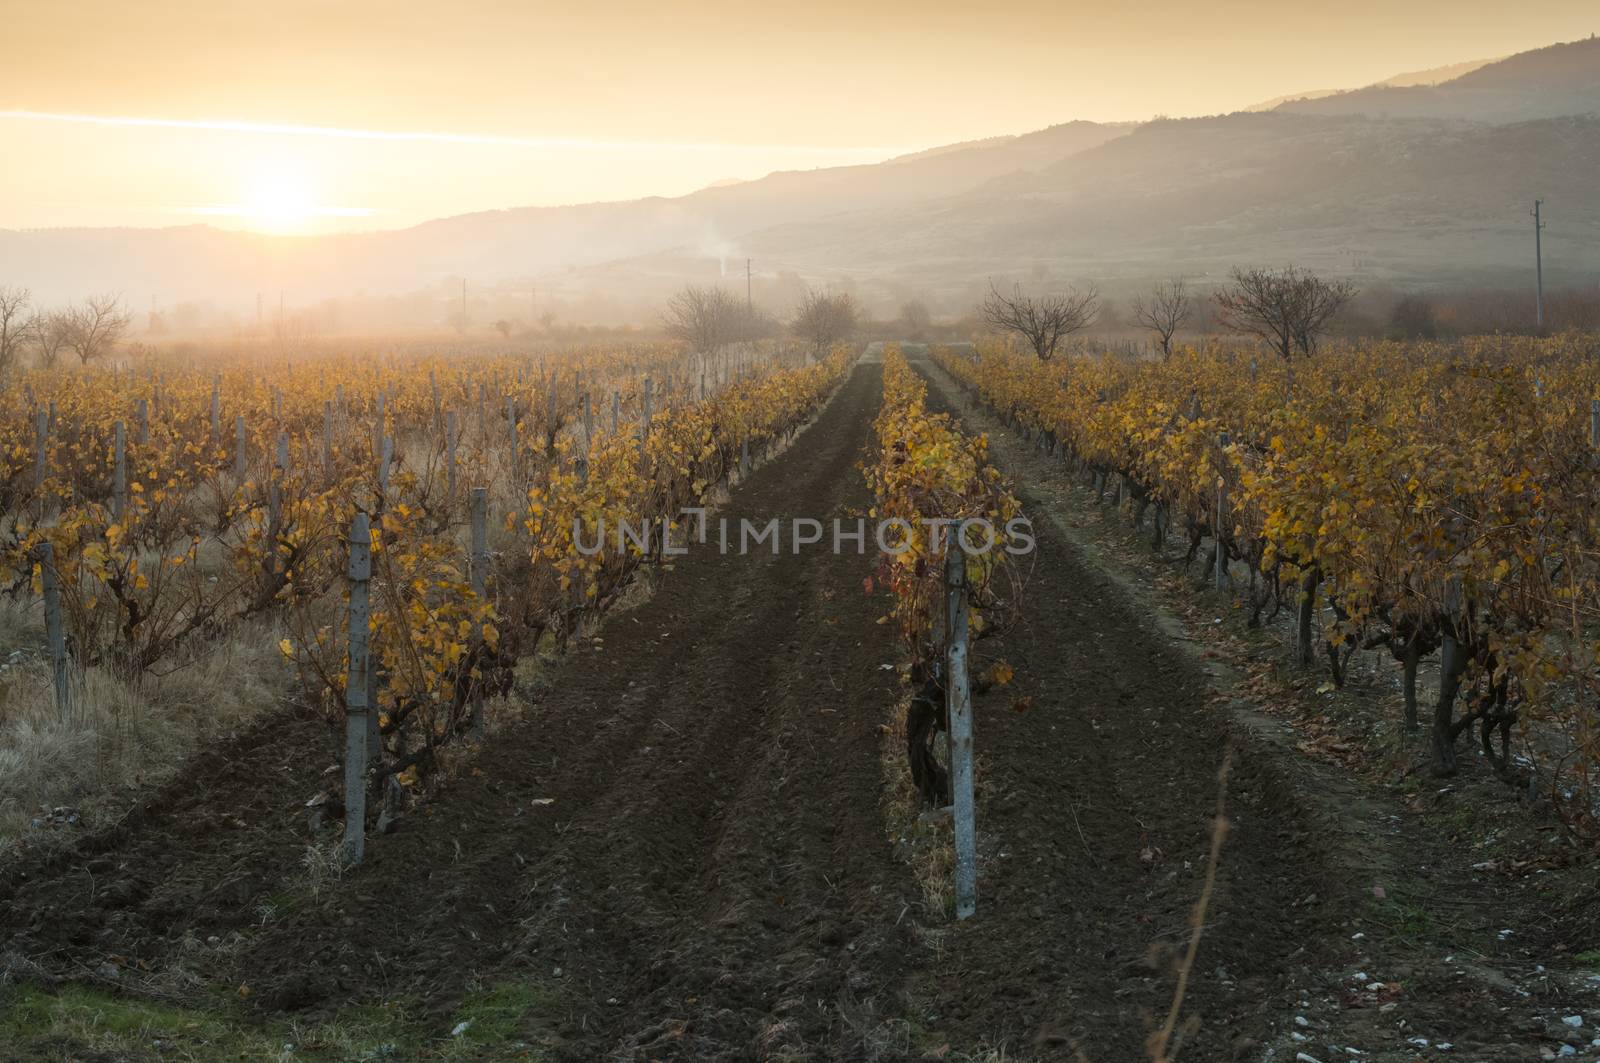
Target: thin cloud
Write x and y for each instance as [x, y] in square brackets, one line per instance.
[241, 210]
[220, 125]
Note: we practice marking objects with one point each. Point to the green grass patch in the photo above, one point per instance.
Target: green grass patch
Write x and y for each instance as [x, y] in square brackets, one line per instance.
[500, 1014]
[1407, 917]
[83, 1021]
[86, 1019]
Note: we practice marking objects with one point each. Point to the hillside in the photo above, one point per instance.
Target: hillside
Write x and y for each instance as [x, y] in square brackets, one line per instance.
[1403, 201]
[1548, 82]
[1432, 76]
[1401, 183]
[492, 246]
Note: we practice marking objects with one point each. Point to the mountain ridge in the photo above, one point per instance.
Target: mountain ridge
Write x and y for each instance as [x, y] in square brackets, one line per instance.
[1355, 184]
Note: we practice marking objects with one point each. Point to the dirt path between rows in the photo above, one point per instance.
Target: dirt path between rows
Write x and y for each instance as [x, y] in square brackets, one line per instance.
[1097, 818]
[680, 852]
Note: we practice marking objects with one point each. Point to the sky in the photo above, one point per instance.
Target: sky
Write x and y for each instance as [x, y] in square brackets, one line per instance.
[312, 117]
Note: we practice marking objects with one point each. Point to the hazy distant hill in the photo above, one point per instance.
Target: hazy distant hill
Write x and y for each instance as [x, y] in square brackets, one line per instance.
[1405, 184]
[1414, 77]
[1382, 200]
[1559, 80]
[490, 246]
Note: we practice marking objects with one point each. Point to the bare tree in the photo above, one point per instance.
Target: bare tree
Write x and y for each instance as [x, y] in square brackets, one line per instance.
[95, 327]
[824, 319]
[916, 319]
[1043, 321]
[13, 327]
[704, 318]
[47, 332]
[1289, 307]
[1164, 311]
[503, 327]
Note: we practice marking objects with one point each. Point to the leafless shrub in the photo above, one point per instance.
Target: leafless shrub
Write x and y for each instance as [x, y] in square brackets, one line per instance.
[95, 326]
[1289, 307]
[13, 327]
[915, 319]
[824, 319]
[1164, 311]
[1043, 321]
[706, 318]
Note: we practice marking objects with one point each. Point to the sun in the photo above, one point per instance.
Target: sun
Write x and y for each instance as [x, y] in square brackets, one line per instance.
[279, 201]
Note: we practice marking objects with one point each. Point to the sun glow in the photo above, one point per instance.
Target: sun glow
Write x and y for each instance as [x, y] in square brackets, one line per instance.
[279, 202]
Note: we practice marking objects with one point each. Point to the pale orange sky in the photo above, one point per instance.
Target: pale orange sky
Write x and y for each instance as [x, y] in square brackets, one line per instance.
[532, 103]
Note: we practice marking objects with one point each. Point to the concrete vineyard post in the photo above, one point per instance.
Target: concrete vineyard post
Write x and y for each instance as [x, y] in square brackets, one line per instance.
[385, 459]
[450, 453]
[41, 439]
[511, 419]
[433, 386]
[356, 686]
[119, 470]
[46, 554]
[649, 403]
[959, 701]
[1222, 519]
[616, 411]
[378, 427]
[142, 412]
[479, 575]
[216, 408]
[744, 459]
[588, 421]
[1594, 423]
[275, 491]
[588, 431]
[238, 448]
[327, 439]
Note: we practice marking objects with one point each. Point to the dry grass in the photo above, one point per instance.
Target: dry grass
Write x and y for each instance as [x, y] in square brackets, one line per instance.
[122, 736]
[922, 838]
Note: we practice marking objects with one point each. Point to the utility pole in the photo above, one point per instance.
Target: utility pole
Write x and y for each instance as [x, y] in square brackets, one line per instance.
[749, 302]
[1538, 262]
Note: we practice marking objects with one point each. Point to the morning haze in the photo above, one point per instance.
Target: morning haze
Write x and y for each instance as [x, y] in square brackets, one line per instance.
[915, 149]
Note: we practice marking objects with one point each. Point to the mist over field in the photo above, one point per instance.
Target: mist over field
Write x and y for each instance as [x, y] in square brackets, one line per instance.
[1420, 183]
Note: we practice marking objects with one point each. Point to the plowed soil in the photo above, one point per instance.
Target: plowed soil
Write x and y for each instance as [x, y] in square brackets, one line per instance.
[683, 846]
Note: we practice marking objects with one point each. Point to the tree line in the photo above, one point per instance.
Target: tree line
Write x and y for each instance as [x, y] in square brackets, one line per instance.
[89, 329]
[1289, 309]
[708, 318]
